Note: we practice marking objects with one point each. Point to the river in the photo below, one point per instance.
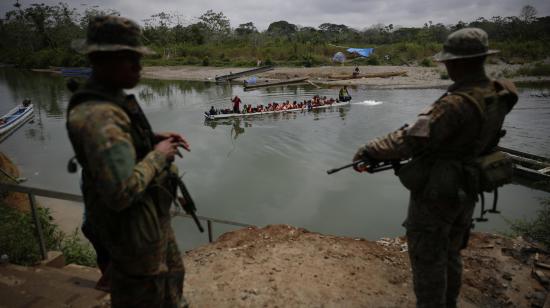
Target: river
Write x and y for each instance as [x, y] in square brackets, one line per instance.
[270, 169]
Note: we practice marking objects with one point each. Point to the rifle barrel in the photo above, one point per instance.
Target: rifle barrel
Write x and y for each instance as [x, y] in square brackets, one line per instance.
[331, 171]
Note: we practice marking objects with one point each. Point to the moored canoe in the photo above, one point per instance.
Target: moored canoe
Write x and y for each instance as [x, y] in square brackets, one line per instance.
[15, 117]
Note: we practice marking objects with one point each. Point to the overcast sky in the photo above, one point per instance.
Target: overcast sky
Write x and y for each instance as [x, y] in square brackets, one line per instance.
[354, 13]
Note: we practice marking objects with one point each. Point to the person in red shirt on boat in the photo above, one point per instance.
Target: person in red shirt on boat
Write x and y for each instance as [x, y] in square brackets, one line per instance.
[236, 102]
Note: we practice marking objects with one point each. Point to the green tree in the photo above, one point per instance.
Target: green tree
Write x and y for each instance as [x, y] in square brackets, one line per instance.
[528, 14]
[216, 25]
[282, 28]
[246, 29]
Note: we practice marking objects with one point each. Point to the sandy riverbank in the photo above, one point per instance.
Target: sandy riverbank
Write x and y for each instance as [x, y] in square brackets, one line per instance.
[416, 76]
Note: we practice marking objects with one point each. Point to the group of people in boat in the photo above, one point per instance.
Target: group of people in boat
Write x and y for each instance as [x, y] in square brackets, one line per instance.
[316, 101]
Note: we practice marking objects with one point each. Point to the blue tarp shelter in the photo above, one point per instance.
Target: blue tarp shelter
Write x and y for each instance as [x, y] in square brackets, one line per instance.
[363, 52]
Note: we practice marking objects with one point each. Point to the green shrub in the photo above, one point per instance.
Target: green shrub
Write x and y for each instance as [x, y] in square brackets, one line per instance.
[17, 235]
[191, 60]
[427, 62]
[538, 69]
[18, 238]
[76, 251]
[444, 75]
[205, 61]
[538, 229]
[373, 60]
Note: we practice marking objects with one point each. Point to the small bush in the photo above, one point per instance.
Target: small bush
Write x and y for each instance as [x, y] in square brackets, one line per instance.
[538, 229]
[205, 61]
[18, 239]
[427, 62]
[373, 60]
[538, 69]
[444, 75]
[75, 251]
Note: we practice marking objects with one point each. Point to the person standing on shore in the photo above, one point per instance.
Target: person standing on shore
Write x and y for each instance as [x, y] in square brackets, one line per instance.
[445, 143]
[127, 169]
[355, 73]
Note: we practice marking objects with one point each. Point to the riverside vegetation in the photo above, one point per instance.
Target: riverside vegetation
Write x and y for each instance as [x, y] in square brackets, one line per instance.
[18, 238]
[39, 35]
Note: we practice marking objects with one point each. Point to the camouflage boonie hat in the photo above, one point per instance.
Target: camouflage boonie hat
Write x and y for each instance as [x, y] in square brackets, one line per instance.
[465, 43]
[111, 33]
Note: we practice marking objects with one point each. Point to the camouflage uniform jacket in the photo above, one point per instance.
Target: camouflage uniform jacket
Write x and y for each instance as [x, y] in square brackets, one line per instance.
[126, 189]
[444, 136]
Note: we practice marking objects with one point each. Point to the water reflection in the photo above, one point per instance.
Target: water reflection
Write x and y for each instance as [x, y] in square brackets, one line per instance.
[235, 123]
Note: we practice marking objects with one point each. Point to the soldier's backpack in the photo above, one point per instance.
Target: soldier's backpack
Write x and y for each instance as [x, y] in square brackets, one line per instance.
[494, 168]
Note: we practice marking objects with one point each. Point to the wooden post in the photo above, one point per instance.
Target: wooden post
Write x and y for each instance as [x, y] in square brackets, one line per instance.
[38, 226]
[209, 225]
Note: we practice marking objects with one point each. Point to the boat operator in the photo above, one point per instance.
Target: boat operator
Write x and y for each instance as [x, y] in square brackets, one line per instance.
[236, 102]
[344, 96]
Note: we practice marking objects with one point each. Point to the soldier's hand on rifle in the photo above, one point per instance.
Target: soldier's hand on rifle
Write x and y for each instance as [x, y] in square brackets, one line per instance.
[178, 137]
[168, 147]
[361, 155]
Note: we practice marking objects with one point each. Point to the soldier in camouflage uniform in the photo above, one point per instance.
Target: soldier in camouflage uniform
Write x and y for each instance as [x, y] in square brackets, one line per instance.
[461, 125]
[127, 169]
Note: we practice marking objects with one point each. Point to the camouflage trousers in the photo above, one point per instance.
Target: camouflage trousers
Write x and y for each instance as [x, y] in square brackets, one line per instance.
[436, 232]
[162, 290]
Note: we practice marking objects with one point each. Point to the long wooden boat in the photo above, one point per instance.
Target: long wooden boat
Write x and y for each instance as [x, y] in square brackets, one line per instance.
[76, 71]
[15, 117]
[274, 83]
[243, 115]
[369, 75]
[529, 167]
[244, 73]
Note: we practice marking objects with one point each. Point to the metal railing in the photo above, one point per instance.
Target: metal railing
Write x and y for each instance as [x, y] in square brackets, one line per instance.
[32, 192]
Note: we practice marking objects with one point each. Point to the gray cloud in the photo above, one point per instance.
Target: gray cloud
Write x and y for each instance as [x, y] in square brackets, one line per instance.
[354, 13]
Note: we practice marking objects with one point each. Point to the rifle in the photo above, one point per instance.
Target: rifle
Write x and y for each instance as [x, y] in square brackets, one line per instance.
[372, 166]
[186, 202]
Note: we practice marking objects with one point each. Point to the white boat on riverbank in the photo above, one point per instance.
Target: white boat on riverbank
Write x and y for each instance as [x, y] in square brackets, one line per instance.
[15, 117]
[242, 115]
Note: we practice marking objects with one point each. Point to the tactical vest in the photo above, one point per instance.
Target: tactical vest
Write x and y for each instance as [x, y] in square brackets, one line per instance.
[141, 131]
[492, 110]
[491, 169]
[442, 170]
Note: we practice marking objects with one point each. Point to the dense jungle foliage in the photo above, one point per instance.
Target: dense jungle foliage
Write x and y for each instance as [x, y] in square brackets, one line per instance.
[40, 35]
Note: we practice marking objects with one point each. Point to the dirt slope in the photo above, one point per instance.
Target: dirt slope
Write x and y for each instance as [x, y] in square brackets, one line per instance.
[283, 266]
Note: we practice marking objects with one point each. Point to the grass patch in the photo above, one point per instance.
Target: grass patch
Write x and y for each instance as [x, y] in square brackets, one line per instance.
[538, 229]
[538, 69]
[427, 62]
[18, 239]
